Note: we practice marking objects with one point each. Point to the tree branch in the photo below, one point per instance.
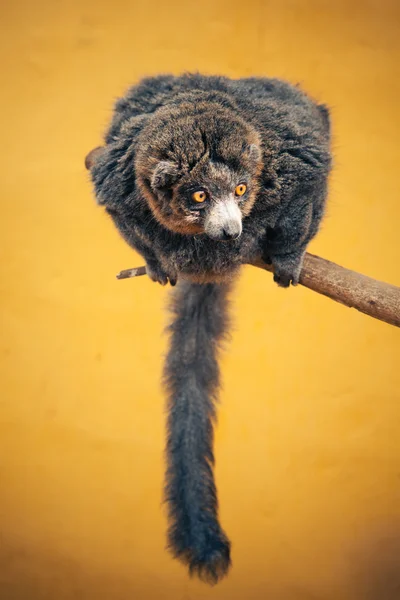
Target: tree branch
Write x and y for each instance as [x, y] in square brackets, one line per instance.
[371, 297]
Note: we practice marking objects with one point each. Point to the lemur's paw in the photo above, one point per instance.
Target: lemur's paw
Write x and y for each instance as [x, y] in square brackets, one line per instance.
[287, 269]
[156, 273]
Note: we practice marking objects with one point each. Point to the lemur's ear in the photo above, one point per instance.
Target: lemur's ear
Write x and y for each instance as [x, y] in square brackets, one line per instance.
[93, 156]
[164, 175]
[254, 152]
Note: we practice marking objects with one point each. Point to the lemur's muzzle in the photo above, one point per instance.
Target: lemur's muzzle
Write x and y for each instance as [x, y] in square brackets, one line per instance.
[224, 220]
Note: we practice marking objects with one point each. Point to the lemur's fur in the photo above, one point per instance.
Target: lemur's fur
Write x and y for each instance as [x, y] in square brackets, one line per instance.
[170, 137]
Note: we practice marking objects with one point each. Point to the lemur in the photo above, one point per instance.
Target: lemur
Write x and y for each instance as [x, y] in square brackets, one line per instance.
[201, 174]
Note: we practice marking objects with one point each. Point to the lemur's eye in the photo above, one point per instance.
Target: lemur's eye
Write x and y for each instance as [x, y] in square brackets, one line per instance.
[240, 189]
[200, 196]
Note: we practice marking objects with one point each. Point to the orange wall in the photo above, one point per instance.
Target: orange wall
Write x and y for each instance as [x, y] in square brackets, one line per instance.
[308, 450]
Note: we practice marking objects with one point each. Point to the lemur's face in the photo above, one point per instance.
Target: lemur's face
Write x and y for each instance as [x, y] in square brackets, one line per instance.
[201, 174]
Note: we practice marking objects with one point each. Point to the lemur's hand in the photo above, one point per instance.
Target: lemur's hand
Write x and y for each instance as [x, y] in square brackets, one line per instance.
[156, 273]
[287, 268]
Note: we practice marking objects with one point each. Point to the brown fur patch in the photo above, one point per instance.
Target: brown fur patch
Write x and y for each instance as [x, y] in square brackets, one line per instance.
[93, 156]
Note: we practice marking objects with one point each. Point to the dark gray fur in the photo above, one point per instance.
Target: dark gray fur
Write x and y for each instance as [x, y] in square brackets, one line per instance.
[192, 378]
[170, 136]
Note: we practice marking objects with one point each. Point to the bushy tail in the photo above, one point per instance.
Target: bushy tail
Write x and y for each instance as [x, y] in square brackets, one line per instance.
[192, 379]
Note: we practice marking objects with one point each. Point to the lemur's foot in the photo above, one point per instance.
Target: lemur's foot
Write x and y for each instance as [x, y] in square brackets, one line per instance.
[156, 273]
[287, 269]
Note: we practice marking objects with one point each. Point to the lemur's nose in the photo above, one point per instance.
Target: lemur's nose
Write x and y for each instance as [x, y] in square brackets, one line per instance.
[230, 233]
[224, 220]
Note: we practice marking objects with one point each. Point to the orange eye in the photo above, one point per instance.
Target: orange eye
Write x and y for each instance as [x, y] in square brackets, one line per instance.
[199, 196]
[240, 189]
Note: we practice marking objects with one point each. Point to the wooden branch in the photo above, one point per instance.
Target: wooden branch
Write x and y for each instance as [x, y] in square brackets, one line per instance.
[126, 273]
[371, 297]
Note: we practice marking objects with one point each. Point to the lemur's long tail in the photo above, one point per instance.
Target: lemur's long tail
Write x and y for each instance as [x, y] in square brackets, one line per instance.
[192, 377]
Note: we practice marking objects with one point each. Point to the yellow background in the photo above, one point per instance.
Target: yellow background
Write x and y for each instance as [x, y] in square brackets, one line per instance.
[308, 450]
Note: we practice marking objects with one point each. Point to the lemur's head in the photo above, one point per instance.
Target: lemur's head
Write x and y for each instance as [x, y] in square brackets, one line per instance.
[197, 165]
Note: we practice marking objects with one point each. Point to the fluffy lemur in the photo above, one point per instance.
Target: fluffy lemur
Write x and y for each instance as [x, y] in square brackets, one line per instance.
[200, 175]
